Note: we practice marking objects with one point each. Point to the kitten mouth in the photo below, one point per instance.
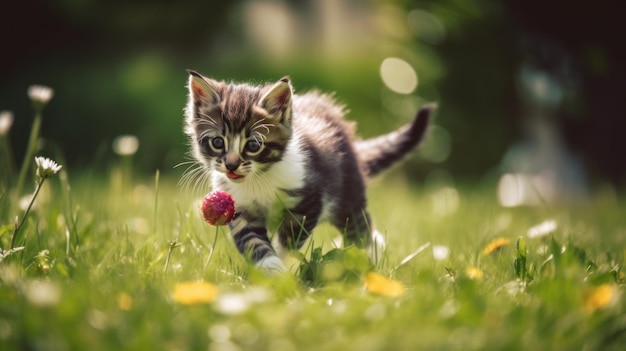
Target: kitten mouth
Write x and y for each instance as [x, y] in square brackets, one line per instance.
[234, 176]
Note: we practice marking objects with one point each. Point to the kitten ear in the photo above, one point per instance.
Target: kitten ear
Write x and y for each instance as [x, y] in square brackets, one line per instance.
[278, 98]
[203, 89]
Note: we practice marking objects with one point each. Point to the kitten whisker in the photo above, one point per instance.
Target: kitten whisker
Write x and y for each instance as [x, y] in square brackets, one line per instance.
[210, 121]
[194, 177]
[206, 133]
[256, 138]
[256, 125]
[190, 162]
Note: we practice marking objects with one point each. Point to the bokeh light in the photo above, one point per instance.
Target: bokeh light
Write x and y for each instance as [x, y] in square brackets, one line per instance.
[398, 75]
[517, 189]
[125, 145]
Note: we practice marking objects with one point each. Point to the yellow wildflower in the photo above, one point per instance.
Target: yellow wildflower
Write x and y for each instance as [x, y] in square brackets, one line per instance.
[124, 301]
[189, 293]
[495, 245]
[381, 285]
[599, 297]
[474, 273]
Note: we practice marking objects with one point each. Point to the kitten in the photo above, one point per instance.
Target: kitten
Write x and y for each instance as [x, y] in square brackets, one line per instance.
[289, 161]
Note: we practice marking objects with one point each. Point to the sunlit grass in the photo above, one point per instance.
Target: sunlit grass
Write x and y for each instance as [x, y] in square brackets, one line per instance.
[116, 261]
[109, 289]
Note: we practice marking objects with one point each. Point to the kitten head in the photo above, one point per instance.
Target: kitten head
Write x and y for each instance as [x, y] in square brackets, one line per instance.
[238, 130]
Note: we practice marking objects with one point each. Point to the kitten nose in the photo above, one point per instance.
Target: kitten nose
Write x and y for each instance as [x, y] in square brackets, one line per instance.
[232, 162]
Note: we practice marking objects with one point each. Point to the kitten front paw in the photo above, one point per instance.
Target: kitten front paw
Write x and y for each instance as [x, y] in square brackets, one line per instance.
[272, 265]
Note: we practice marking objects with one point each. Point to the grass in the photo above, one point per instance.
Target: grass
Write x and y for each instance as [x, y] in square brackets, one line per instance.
[116, 262]
[91, 276]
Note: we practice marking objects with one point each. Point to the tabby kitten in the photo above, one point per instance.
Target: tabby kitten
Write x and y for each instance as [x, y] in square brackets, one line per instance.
[289, 161]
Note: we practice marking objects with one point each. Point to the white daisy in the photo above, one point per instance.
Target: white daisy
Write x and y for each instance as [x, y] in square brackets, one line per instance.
[40, 95]
[6, 121]
[46, 167]
[542, 229]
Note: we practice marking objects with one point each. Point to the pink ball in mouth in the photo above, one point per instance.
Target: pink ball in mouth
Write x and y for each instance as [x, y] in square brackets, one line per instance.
[218, 208]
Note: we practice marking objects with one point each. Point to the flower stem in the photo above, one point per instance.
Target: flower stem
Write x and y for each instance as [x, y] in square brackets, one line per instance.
[172, 245]
[18, 225]
[206, 263]
[156, 200]
[31, 148]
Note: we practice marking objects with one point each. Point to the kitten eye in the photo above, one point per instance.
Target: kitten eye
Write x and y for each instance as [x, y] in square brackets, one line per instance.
[217, 143]
[253, 146]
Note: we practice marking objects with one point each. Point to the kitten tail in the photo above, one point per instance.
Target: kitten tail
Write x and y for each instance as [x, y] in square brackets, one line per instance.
[379, 153]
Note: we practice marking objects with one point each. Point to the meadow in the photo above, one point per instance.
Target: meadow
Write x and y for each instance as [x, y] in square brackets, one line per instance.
[116, 261]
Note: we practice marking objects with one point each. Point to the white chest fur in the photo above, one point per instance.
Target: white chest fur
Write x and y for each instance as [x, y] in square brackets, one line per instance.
[266, 190]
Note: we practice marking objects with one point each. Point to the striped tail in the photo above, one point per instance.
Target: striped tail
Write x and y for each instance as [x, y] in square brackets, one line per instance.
[379, 153]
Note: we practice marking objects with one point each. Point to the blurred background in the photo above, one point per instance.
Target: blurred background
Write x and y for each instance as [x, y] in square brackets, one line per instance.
[529, 92]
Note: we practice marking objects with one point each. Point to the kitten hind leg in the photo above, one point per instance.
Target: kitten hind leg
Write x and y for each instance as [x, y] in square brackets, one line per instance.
[356, 229]
[295, 230]
[359, 231]
[377, 246]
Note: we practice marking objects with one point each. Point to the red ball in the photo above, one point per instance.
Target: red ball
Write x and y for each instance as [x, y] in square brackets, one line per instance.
[218, 208]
